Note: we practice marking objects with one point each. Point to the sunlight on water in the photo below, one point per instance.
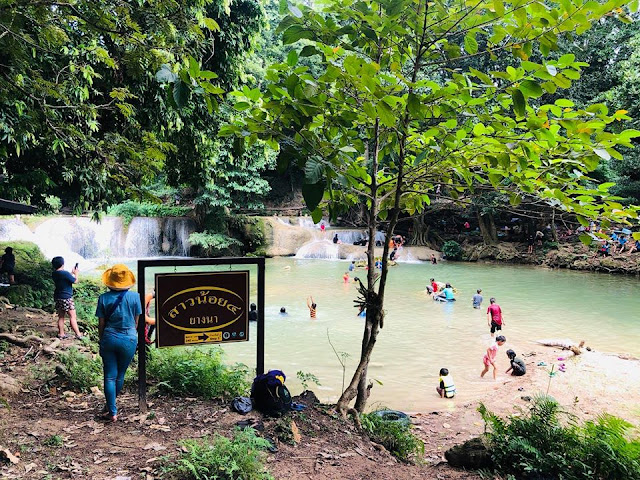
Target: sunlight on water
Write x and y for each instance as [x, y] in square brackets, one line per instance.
[420, 336]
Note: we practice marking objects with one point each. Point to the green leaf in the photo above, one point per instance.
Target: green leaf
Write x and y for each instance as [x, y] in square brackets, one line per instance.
[498, 7]
[312, 194]
[211, 24]
[519, 103]
[413, 105]
[564, 103]
[531, 88]
[636, 235]
[386, 114]
[470, 43]
[194, 67]
[295, 33]
[586, 239]
[180, 94]
[292, 58]
[316, 215]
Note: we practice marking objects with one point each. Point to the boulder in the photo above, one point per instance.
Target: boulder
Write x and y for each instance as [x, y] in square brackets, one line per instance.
[9, 386]
[472, 454]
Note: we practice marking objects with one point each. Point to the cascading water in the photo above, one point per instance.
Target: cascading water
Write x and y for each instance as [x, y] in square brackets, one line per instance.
[78, 239]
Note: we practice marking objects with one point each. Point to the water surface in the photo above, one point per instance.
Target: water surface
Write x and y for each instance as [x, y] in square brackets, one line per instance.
[420, 336]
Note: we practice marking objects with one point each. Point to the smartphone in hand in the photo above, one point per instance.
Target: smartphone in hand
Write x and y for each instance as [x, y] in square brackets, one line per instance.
[76, 267]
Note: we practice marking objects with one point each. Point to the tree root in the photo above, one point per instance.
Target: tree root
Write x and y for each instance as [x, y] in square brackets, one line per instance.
[20, 341]
[356, 417]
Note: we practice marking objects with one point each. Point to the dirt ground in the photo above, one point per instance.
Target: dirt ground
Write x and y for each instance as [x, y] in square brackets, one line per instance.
[50, 432]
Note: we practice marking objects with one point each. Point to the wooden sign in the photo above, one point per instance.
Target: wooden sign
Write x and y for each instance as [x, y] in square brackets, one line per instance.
[202, 308]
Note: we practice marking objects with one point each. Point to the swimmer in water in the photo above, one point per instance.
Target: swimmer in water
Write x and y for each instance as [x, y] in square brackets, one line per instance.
[253, 313]
[345, 277]
[312, 306]
[283, 312]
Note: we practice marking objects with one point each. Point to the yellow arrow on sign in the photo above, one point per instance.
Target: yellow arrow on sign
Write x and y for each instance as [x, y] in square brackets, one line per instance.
[203, 337]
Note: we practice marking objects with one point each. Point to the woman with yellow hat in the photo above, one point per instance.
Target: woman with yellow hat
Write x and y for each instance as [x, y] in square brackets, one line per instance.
[118, 311]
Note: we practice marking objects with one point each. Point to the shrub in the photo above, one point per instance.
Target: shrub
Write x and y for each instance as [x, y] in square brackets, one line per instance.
[452, 250]
[239, 458]
[82, 371]
[130, 209]
[85, 296]
[212, 244]
[394, 436]
[33, 276]
[538, 444]
[198, 373]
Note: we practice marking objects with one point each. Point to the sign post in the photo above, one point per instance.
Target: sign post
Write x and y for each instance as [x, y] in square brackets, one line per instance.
[195, 308]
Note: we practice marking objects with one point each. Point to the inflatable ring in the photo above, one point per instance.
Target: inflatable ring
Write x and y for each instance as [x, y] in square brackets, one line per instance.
[394, 416]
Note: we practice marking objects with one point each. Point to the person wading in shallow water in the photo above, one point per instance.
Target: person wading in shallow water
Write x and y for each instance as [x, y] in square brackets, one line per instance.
[494, 316]
[312, 306]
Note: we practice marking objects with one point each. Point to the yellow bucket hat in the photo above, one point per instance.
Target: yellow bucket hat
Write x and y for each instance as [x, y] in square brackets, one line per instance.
[119, 277]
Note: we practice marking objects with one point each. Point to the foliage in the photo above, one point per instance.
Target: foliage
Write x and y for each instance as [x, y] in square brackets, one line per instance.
[83, 371]
[538, 444]
[239, 458]
[33, 276]
[452, 250]
[305, 378]
[212, 244]
[54, 441]
[130, 209]
[94, 94]
[394, 436]
[85, 297]
[197, 373]
[392, 113]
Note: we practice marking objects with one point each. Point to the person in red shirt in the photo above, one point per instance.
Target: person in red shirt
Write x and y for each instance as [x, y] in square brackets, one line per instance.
[433, 288]
[494, 316]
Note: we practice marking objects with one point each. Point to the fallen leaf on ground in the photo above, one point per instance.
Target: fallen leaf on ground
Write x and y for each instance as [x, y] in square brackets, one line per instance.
[295, 432]
[6, 455]
[162, 428]
[154, 446]
[29, 466]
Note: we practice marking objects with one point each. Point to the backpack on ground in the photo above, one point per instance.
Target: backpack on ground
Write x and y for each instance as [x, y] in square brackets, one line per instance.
[269, 394]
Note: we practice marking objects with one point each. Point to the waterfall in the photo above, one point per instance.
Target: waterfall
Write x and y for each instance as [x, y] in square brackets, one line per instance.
[319, 249]
[78, 239]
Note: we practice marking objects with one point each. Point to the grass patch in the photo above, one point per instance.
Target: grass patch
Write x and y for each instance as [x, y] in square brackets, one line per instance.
[186, 371]
[130, 209]
[239, 458]
[82, 371]
[396, 437]
[54, 441]
[547, 442]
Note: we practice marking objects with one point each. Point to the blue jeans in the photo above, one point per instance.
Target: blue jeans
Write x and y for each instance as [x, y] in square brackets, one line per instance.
[117, 350]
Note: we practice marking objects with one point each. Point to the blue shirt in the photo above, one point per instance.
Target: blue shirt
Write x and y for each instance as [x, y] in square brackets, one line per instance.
[351, 267]
[122, 320]
[448, 293]
[63, 281]
[477, 300]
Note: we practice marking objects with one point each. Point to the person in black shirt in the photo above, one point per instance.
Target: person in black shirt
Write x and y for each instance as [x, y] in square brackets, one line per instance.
[253, 313]
[517, 367]
[8, 263]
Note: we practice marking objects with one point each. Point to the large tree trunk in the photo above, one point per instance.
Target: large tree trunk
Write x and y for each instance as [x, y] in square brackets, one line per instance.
[487, 229]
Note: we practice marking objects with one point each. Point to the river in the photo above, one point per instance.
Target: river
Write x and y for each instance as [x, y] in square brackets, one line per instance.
[420, 336]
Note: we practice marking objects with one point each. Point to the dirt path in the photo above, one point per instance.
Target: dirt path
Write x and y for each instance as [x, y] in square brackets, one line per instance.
[54, 432]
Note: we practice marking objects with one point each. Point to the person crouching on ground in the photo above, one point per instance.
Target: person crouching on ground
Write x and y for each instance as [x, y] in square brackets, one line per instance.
[118, 311]
[517, 367]
[63, 296]
[490, 357]
[447, 388]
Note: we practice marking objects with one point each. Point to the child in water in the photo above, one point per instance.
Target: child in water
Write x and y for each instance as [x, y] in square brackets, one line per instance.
[489, 358]
[345, 277]
[312, 306]
[517, 367]
[447, 388]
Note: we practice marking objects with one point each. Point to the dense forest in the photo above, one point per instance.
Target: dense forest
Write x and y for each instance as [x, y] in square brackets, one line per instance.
[102, 104]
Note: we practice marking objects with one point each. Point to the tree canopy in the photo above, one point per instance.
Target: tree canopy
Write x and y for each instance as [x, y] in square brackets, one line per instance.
[393, 112]
[93, 95]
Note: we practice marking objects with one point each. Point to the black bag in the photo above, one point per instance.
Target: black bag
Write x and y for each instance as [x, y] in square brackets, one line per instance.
[269, 394]
[242, 405]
